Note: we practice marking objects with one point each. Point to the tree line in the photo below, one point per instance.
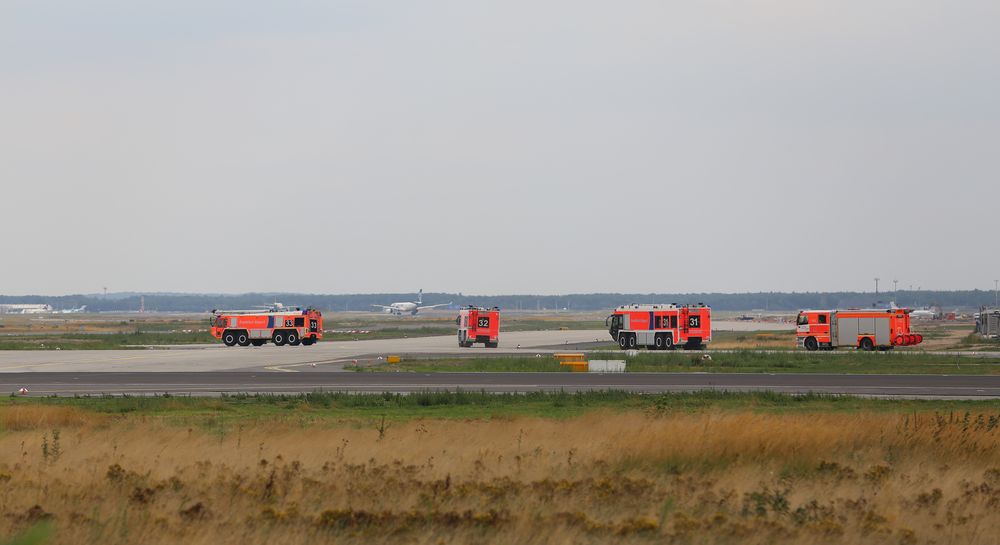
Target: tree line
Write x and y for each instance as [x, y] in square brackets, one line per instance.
[747, 302]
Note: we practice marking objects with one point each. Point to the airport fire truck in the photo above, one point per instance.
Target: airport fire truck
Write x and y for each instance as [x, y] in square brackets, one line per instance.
[279, 324]
[867, 329]
[478, 325]
[661, 327]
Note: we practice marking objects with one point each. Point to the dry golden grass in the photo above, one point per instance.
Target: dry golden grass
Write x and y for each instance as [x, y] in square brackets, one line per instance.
[27, 417]
[734, 477]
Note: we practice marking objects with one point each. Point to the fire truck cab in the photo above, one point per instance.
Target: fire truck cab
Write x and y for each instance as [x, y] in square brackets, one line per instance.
[661, 327]
[478, 325]
[866, 329]
[280, 325]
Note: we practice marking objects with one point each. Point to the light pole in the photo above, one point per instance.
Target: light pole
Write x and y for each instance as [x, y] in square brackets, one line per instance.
[876, 285]
[895, 283]
[996, 290]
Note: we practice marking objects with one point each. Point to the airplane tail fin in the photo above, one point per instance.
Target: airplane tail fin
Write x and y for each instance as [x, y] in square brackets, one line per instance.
[420, 296]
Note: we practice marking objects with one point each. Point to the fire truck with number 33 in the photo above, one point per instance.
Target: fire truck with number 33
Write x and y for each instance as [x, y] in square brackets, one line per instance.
[292, 326]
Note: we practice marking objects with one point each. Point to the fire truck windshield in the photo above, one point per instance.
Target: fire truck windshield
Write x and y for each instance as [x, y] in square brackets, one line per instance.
[803, 320]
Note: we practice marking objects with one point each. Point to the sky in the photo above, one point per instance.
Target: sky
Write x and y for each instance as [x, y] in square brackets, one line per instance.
[520, 146]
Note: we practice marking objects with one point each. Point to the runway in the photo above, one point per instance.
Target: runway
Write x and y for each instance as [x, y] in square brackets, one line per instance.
[216, 369]
[217, 357]
[216, 383]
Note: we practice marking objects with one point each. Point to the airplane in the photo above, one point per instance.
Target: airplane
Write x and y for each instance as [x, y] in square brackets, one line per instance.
[923, 313]
[73, 310]
[409, 307]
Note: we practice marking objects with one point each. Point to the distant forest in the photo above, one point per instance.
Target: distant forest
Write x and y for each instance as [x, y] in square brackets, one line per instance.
[771, 301]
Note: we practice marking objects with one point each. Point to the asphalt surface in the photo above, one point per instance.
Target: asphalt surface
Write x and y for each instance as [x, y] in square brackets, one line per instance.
[215, 383]
[330, 354]
[216, 369]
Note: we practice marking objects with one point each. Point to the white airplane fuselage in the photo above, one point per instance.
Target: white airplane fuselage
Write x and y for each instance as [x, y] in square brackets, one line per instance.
[400, 309]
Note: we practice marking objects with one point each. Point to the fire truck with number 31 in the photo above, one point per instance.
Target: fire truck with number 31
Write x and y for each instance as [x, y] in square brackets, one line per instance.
[661, 327]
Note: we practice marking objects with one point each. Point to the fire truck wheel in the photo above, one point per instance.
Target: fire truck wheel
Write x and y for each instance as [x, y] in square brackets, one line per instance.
[668, 342]
[492, 345]
[867, 344]
[278, 338]
[293, 338]
[308, 342]
[229, 338]
[658, 342]
[811, 344]
[242, 338]
[258, 342]
[623, 341]
[631, 342]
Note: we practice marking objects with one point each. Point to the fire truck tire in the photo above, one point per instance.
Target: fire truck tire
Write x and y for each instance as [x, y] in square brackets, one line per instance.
[492, 345]
[308, 342]
[293, 338]
[229, 338]
[623, 341]
[258, 342]
[278, 338]
[242, 338]
[867, 344]
[811, 344]
[631, 342]
[659, 342]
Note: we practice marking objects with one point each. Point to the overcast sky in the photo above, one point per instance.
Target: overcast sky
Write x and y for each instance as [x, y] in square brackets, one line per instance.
[498, 147]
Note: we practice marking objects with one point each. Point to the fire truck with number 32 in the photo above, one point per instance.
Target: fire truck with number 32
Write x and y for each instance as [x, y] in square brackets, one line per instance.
[478, 325]
[661, 327]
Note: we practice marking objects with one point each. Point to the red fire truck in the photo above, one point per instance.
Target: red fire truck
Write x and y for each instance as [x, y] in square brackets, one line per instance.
[867, 329]
[478, 325]
[278, 324]
[661, 327]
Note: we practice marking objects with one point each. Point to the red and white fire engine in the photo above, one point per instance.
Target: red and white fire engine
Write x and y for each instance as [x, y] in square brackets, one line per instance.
[661, 327]
[867, 329]
[478, 325]
[278, 324]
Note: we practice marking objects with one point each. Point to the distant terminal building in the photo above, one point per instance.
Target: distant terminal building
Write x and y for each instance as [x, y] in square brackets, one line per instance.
[24, 309]
[988, 322]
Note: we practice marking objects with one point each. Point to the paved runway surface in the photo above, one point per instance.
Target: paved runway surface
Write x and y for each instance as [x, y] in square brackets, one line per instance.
[215, 369]
[214, 383]
[217, 357]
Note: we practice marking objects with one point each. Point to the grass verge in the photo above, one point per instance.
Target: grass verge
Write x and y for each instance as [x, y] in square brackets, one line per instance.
[740, 361]
[691, 468]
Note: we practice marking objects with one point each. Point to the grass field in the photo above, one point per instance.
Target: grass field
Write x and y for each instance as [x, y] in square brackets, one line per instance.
[543, 468]
[740, 361]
